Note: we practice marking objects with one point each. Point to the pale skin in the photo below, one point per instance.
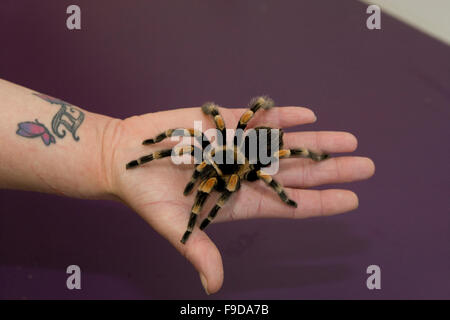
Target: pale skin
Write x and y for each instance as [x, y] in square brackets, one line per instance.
[94, 167]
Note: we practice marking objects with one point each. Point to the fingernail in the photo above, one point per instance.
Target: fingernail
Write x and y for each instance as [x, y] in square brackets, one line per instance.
[204, 283]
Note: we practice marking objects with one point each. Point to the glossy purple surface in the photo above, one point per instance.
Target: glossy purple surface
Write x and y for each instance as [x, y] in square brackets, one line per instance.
[390, 87]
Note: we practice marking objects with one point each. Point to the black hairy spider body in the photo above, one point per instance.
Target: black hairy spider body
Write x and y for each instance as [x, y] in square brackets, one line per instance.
[224, 167]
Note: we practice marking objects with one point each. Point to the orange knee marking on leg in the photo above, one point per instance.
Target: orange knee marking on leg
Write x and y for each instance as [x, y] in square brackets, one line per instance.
[201, 166]
[219, 122]
[207, 185]
[185, 149]
[192, 132]
[266, 177]
[232, 182]
[246, 116]
[282, 153]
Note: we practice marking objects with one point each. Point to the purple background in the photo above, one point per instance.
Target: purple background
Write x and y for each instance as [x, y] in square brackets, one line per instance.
[390, 87]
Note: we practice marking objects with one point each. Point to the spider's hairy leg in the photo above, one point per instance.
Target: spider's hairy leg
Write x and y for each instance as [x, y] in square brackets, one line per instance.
[180, 132]
[276, 186]
[255, 104]
[203, 192]
[233, 185]
[219, 204]
[200, 170]
[162, 154]
[210, 108]
[300, 152]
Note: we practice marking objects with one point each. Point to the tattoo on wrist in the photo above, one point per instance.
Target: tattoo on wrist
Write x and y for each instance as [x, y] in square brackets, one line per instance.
[35, 129]
[51, 99]
[68, 116]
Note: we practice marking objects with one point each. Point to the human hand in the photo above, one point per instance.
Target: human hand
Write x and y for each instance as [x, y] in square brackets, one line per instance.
[155, 190]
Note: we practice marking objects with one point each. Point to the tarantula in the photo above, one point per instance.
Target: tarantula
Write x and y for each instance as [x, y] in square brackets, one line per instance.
[225, 177]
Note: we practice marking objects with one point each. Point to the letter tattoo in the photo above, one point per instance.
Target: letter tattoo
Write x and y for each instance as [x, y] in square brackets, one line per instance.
[72, 124]
[68, 116]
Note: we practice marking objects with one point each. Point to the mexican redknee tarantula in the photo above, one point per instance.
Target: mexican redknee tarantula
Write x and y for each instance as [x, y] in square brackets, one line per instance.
[226, 176]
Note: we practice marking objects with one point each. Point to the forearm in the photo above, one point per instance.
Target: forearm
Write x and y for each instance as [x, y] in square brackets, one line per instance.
[48, 145]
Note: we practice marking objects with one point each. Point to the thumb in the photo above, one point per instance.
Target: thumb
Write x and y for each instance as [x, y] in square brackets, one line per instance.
[206, 259]
[199, 249]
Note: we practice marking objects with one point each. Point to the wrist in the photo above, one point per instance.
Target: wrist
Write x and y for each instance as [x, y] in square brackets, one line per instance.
[108, 135]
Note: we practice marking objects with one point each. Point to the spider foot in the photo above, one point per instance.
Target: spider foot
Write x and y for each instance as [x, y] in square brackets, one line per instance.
[204, 224]
[188, 188]
[132, 164]
[148, 141]
[291, 203]
[185, 237]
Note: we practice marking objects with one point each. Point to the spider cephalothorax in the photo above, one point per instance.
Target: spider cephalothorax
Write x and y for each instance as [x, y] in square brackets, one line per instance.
[223, 167]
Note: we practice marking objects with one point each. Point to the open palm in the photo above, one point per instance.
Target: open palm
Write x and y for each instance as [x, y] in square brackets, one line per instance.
[155, 190]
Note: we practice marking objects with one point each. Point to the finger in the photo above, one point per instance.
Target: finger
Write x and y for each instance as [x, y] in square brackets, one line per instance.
[153, 123]
[206, 259]
[279, 117]
[261, 202]
[199, 250]
[321, 141]
[310, 203]
[295, 173]
[276, 117]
